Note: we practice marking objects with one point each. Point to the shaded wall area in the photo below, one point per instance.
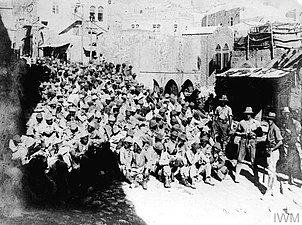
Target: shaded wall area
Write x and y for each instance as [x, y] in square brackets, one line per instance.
[11, 123]
[243, 92]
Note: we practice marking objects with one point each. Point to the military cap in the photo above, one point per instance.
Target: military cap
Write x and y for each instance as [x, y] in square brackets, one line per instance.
[111, 118]
[162, 110]
[29, 142]
[192, 104]
[174, 120]
[158, 116]
[39, 108]
[119, 102]
[52, 102]
[183, 102]
[217, 146]
[189, 114]
[159, 136]
[128, 139]
[182, 137]
[204, 138]
[173, 113]
[116, 129]
[176, 127]
[59, 94]
[130, 133]
[195, 146]
[167, 95]
[84, 134]
[158, 146]
[39, 116]
[174, 133]
[152, 123]
[72, 109]
[85, 106]
[92, 124]
[30, 131]
[90, 115]
[187, 104]
[98, 114]
[146, 139]
[48, 117]
[17, 139]
[141, 102]
[73, 127]
[172, 100]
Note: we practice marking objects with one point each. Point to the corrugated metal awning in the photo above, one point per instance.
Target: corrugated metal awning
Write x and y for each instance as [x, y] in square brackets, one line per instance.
[257, 73]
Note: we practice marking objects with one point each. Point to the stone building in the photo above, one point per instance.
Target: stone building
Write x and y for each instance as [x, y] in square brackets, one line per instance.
[172, 62]
[54, 28]
[228, 17]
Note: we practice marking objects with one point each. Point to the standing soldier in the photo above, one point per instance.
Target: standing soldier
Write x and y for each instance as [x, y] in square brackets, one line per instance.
[248, 129]
[292, 135]
[273, 144]
[223, 121]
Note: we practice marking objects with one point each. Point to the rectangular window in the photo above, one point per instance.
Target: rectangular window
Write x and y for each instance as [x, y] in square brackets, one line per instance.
[76, 31]
[55, 8]
[218, 61]
[100, 17]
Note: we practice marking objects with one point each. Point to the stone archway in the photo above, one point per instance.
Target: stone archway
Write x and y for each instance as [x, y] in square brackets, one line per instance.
[171, 87]
[156, 87]
[187, 85]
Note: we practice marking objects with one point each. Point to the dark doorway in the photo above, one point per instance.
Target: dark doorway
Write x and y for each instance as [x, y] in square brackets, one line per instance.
[171, 87]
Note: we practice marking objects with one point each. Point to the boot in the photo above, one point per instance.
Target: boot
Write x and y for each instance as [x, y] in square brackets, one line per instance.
[167, 182]
[144, 184]
[209, 181]
[184, 181]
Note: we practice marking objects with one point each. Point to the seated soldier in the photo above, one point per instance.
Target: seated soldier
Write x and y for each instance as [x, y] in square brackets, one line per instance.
[140, 167]
[165, 169]
[199, 161]
[125, 158]
[218, 162]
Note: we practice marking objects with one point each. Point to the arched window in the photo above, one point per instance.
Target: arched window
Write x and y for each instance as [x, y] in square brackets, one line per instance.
[100, 14]
[226, 56]
[92, 13]
[218, 57]
[137, 26]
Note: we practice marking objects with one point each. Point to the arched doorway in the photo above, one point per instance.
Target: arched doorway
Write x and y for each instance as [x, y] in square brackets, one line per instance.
[187, 86]
[171, 87]
[156, 87]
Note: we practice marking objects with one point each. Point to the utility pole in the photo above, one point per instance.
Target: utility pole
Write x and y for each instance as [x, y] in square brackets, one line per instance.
[272, 41]
[91, 19]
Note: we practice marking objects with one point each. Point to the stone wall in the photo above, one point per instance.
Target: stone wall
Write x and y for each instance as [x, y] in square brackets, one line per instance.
[154, 56]
[257, 58]
[222, 18]
[163, 57]
[10, 124]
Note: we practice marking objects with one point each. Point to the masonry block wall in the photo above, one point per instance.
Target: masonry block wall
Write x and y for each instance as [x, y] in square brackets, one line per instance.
[154, 56]
[257, 58]
[223, 18]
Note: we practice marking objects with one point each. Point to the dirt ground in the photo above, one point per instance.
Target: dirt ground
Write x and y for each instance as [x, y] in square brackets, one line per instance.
[225, 203]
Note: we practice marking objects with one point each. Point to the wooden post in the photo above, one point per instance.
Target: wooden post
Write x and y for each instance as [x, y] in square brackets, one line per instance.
[272, 42]
[82, 36]
[248, 47]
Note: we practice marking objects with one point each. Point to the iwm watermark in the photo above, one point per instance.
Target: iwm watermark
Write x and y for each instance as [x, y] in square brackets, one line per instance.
[286, 217]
